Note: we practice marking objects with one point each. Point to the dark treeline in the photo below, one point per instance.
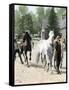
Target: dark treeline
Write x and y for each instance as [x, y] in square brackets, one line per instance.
[27, 20]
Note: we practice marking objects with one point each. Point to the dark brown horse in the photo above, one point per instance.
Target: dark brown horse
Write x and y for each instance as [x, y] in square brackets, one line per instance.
[57, 55]
[27, 46]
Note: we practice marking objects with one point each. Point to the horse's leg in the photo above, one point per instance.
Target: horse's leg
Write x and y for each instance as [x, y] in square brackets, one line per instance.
[48, 67]
[57, 68]
[45, 61]
[25, 55]
[41, 58]
[55, 57]
[20, 56]
[61, 61]
[30, 56]
[48, 62]
[22, 50]
[26, 59]
[51, 66]
[15, 52]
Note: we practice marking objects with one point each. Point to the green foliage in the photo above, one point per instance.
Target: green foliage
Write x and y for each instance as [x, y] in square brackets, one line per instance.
[35, 23]
[47, 12]
[53, 22]
[23, 20]
[40, 16]
[27, 20]
[60, 12]
[23, 10]
[17, 21]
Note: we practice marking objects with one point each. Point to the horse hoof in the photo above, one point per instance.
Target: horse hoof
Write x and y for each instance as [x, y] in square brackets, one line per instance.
[22, 62]
[25, 60]
[58, 72]
[30, 59]
[47, 69]
[42, 61]
[28, 66]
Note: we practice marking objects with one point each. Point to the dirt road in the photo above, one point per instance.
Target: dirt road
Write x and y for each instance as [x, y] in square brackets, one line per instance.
[36, 73]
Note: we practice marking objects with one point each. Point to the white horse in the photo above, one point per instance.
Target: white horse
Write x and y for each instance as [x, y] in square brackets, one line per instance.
[45, 50]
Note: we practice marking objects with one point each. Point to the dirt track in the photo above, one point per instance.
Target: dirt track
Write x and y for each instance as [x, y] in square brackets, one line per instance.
[32, 75]
[36, 73]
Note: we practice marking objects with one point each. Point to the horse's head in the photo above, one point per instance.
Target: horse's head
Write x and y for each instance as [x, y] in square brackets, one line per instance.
[51, 34]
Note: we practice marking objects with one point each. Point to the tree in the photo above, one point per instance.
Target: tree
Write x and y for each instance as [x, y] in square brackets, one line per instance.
[35, 23]
[47, 12]
[27, 23]
[19, 19]
[23, 10]
[60, 12]
[40, 16]
[53, 22]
